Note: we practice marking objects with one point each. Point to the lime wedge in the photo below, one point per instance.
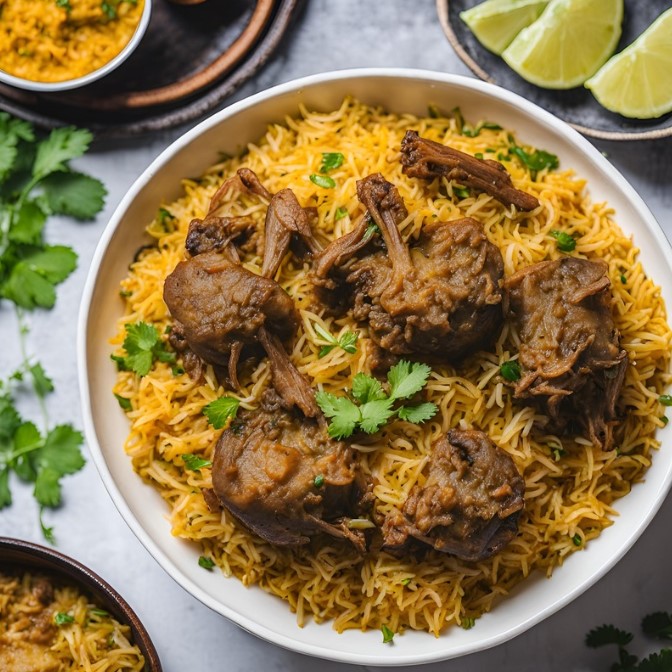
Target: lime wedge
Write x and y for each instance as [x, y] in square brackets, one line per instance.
[495, 23]
[638, 81]
[568, 43]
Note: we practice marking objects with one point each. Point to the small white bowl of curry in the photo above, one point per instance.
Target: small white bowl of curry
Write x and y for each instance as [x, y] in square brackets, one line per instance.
[55, 45]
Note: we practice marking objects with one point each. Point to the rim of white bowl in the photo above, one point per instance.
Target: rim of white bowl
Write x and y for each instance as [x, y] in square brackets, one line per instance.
[113, 64]
[558, 127]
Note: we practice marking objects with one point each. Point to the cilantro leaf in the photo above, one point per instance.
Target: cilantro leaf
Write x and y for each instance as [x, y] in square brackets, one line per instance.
[124, 402]
[407, 378]
[348, 342]
[510, 370]
[143, 346]
[54, 152]
[194, 462]
[340, 213]
[331, 161]
[418, 414]
[388, 635]
[220, 410]
[29, 223]
[657, 662]
[345, 415]
[48, 487]
[205, 562]
[9, 419]
[61, 450]
[323, 181]
[42, 384]
[365, 388]
[74, 194]
[5, 492]
[564, 241]
[28, 289]
[537, 160]
[658, 624]
[607, 634]
[375, 414]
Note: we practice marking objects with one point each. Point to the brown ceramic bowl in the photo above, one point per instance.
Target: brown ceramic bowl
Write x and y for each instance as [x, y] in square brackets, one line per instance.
[32, 556]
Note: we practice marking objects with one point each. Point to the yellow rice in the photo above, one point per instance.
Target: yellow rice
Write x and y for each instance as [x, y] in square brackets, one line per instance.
[570, 484]
[93, 642]
[43, 41]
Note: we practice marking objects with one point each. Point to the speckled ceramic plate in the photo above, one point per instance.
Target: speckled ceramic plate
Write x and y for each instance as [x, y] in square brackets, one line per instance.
[577, 106]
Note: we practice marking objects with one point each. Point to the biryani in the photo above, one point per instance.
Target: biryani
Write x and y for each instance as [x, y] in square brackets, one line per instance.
[49, 625]
[570, 483]
[59, 40]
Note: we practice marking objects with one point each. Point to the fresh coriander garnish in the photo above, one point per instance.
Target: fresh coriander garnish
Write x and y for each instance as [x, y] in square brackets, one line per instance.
[194, 462]
[467, 622]
[388, 635]
[460, 192]
[166, 218]
[373, 406]
[61, 618]
[124, 402]
[664, 419]
[624, 280]
[665, 399]
[323, 181]
[433, 111]
[658, 624]
[65, 4]
[577, 540]
[99, 612]
[340, 213]
[473, 132]
[510, 370]
[563, 240]
[478, 155]
[331, 161]
[206, 563]
[319, 481]
[144, 346]
[347, 341]
[535, 161]
[406, 581]
[220, 410]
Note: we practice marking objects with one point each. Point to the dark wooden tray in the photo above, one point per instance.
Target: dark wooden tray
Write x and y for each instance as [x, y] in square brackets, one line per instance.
[191, 58]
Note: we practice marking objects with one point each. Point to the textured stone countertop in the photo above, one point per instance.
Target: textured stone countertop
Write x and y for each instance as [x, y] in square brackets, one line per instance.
[330, 34]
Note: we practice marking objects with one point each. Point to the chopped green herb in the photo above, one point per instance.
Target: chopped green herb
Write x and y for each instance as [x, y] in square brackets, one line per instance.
[478, 155]
[65, 4]
[577, 540]
[461, 192]
[125, 293]
[510, 370]
[456, 113]
[376, 406]
[220, 410]
[388, 635]
[624, 280]
[194, 462]
[433, 111]
[340, 213]
[331, 161]
[473, 132]
[323, 181]
[468, 622]
[406, 581]
[176, 370]
[346, 341]
[99, 612]
[61, 618]
[558, 453]
[665, 399]
[607, 634]
[535, 161]
[143, 347]
[664, 419]
[206, 563]
[564, 241]
[124, 402]
[319, 481]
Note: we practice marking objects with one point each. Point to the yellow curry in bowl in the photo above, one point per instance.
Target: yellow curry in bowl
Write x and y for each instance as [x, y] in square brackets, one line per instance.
[62, 40]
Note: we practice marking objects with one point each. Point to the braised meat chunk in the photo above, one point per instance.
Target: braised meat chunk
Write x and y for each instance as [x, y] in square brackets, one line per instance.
[570, 354]
[427, 159]
[285, 479]
[217, 302]
[440, 298]
[469, 504]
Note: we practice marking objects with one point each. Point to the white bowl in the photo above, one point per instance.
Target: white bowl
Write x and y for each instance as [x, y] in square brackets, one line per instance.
[106, 427]
[113, 64]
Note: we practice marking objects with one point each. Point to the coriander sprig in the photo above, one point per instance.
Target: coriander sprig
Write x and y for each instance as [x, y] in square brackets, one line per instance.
[371, 406]
[36, 181]
[347, 341]
[144, 346]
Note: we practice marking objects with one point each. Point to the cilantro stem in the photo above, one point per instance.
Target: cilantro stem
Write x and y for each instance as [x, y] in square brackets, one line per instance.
[25, 364]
